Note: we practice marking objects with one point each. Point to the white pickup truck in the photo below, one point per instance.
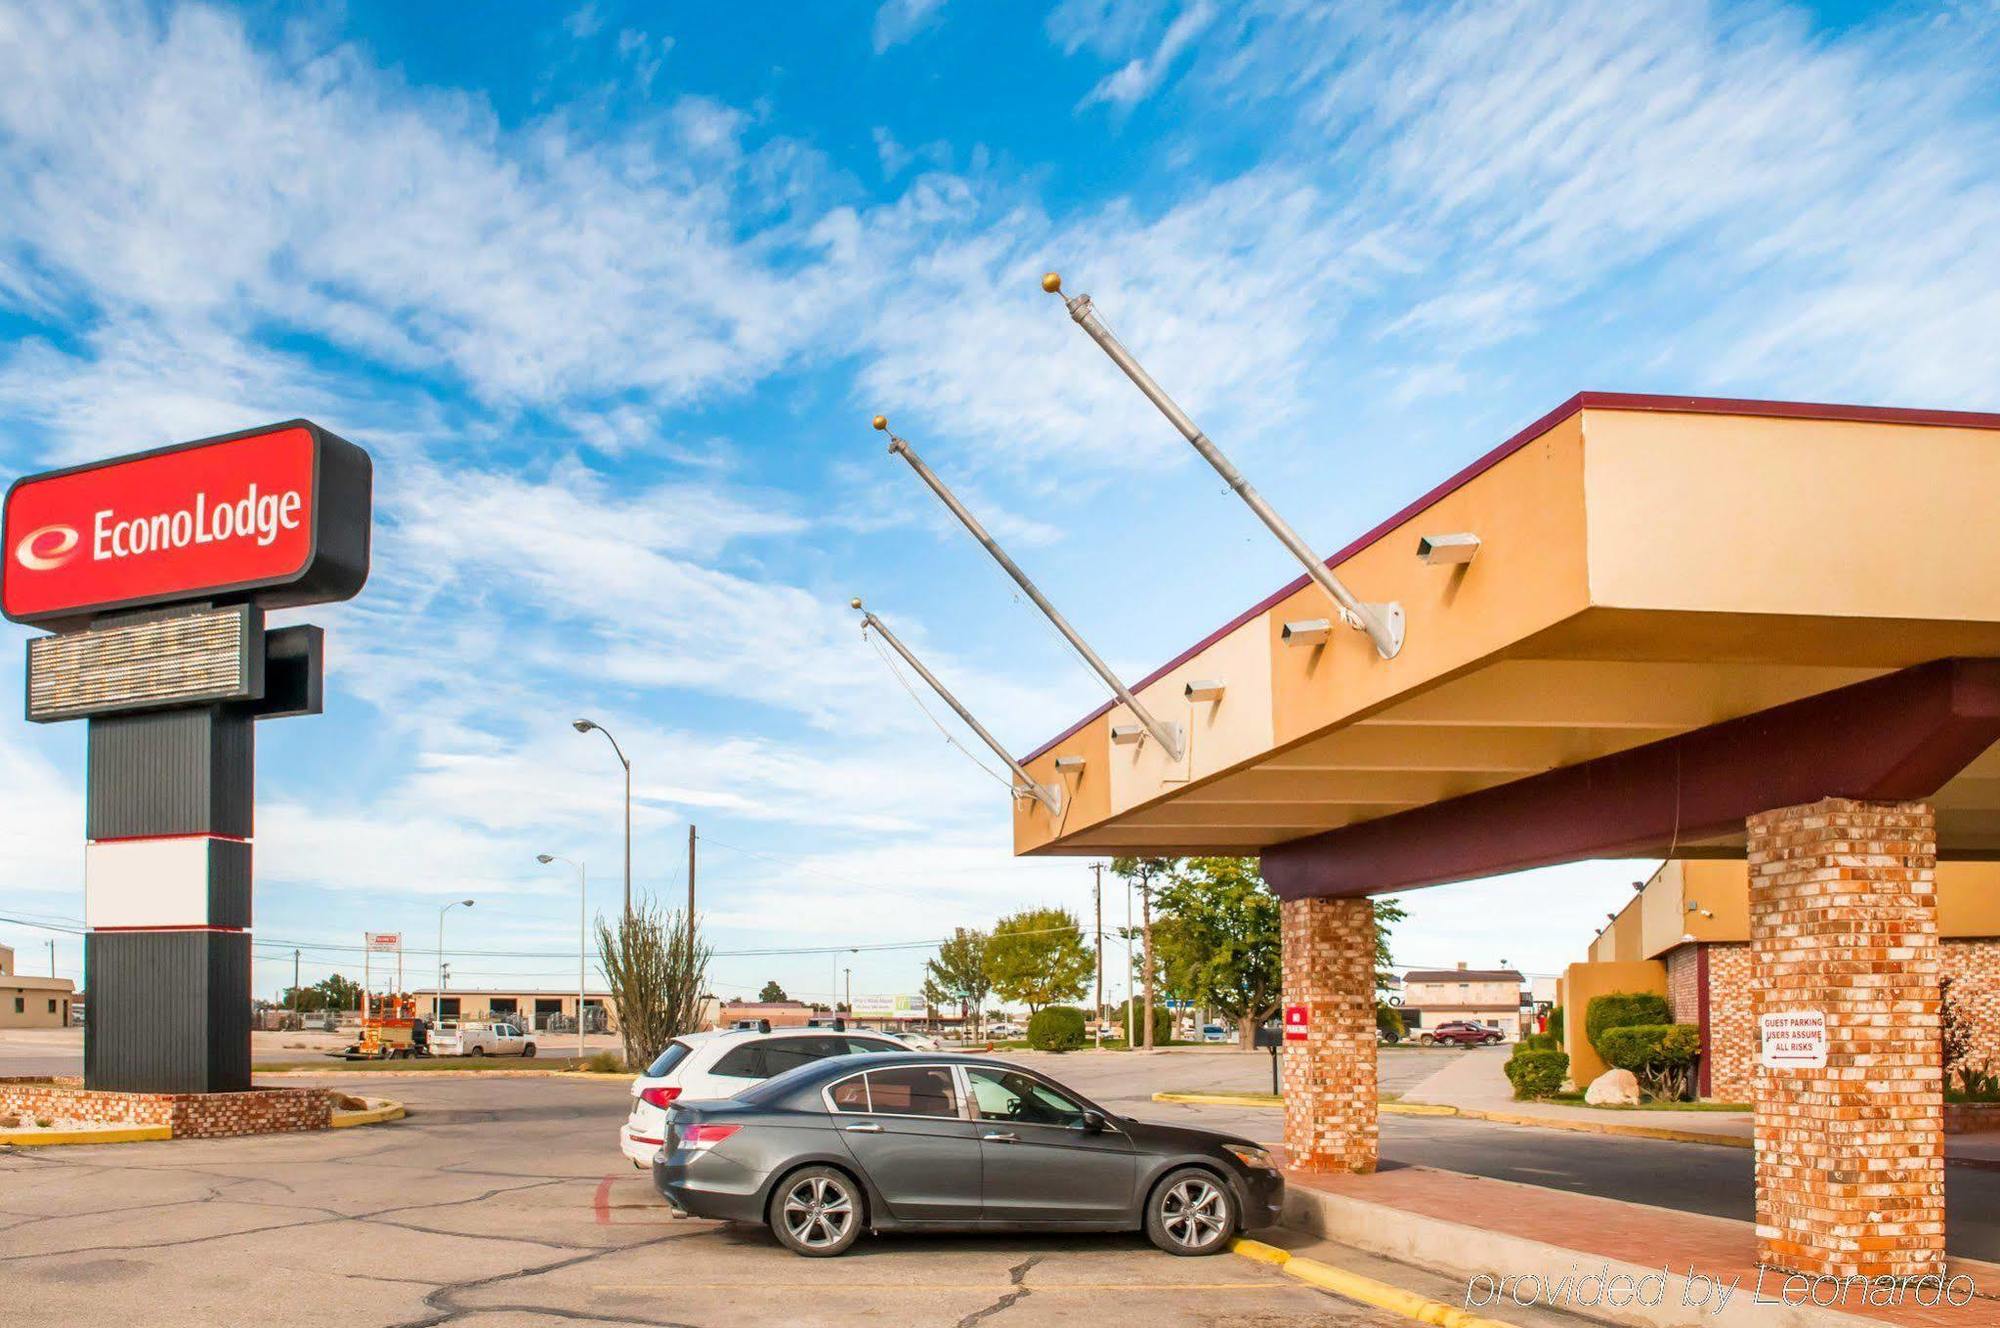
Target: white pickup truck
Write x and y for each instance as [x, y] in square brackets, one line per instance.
[481, 1040]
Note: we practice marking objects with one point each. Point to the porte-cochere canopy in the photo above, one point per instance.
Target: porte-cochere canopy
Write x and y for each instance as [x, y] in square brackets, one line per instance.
[1681, 611]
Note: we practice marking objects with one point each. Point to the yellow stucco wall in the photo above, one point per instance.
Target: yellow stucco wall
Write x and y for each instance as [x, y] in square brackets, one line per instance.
[1582, 982]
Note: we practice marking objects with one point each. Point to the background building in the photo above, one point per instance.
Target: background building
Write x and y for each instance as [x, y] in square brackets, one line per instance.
[27, 1002]
[1685, 934]
[529, 1010]
[1489, 996]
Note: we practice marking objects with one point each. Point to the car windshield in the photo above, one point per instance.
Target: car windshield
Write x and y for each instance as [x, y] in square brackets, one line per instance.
[664, 1063]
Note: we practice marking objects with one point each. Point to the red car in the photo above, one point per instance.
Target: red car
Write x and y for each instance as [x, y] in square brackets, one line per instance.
[1460, 1033]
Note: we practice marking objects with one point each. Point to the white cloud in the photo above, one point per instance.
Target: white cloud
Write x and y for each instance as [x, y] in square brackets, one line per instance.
[897, 21]
[1138, 78]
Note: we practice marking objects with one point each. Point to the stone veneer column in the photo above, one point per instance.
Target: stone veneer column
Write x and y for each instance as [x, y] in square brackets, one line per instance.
[1329, 1079]
[1843, 919]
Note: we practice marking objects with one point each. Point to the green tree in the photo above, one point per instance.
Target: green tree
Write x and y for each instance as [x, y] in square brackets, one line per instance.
[338, 993]
[1038, 957]
[1143, 872]
[1388, 912]
[1221, 941]
[959, 974]
[772, 992]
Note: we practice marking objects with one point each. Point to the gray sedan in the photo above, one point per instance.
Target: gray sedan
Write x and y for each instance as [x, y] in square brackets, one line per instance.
[893, 1143]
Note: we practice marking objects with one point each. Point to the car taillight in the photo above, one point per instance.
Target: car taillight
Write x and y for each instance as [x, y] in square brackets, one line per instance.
[658, 1097]
[706, 1136]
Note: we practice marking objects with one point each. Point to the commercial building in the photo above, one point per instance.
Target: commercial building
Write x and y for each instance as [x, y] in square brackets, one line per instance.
[1685, 935]
[1488, 996]
[27, 1002]
[782, 1014]
[530, 1010]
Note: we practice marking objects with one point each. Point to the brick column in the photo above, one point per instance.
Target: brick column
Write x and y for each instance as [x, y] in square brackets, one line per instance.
[1329, 953]
[1843, 920]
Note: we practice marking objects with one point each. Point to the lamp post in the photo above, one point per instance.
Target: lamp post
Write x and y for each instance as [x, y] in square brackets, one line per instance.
[582, 894]
[437, 1001]
[585, 726]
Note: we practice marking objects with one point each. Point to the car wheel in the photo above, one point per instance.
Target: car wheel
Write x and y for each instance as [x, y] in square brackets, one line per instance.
[816, 1212]
[1190, 1213]
[1428, 1040]
[528, 1052]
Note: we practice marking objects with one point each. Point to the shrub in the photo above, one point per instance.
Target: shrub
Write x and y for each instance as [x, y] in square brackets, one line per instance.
[1662, 1056]
[1556, 1024]
[1622, 1009]
[1536, 1073]
[1163, 1022]
[1056, 1028]
[604, 1062]
[1390, 1020]
[1539, 1042]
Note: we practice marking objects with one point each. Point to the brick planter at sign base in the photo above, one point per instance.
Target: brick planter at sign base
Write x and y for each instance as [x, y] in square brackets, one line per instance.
[189, 1115]
[1843, 922]
[1971, 1117]
[1329, 1077]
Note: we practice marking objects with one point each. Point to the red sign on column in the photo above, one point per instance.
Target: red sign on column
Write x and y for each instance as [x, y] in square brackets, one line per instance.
[1296, 1023]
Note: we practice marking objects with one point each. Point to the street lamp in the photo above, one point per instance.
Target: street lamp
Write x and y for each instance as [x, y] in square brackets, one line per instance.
[582, 893]
[437, 1001]
[585, 726]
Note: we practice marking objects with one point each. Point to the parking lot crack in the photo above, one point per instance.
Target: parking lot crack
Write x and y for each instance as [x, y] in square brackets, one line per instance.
[446, 1298]
[1017, 1277]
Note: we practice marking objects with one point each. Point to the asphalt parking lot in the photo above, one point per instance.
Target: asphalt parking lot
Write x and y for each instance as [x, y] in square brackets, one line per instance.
[503, 1201]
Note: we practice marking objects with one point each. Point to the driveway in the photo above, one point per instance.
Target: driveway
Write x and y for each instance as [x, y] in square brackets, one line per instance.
[503, 1201]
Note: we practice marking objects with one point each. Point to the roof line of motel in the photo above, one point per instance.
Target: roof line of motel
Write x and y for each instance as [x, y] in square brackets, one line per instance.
[1637, 401]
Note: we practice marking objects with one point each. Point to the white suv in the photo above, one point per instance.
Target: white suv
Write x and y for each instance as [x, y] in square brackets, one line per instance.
[723, 1064]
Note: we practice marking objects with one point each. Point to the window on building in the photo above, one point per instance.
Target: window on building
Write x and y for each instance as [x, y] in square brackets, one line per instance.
[52, 1007]
[20, 1005]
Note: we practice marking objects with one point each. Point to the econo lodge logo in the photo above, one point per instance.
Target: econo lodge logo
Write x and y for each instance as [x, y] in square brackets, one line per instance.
[46, 549]
[256, 517]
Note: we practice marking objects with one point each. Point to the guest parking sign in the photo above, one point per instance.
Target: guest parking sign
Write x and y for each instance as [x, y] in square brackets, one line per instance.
[1792, 1039]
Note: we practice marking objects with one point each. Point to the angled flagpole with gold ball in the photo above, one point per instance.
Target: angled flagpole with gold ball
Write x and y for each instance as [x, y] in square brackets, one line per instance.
[1382, 622]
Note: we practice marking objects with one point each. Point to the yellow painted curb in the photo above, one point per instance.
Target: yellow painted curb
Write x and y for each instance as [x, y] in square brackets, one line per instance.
[388, 1111]
[130, 1134]
[1223, 1099]
[1417, 1109]
[1364, 1289]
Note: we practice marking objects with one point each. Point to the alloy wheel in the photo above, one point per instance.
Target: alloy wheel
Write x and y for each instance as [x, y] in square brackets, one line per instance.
[1194, 1213]
[818, 1212]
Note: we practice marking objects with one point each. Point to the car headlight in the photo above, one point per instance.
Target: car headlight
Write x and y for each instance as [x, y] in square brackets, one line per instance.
[1251, 1156]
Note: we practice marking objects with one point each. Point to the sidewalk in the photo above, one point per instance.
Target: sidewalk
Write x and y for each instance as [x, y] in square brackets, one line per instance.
[1476, 1083]
[1553, 1244]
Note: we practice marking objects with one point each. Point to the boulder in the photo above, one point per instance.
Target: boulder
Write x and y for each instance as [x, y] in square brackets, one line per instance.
[1613, 1088]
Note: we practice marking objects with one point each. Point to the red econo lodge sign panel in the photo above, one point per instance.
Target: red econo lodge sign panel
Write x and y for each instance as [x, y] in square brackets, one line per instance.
[276, 516]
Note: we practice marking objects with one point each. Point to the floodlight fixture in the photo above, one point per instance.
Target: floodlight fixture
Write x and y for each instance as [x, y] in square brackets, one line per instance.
[1069, 763]
[1308, 632]
[1205, 689]
[1453, 550]
[1126, 734]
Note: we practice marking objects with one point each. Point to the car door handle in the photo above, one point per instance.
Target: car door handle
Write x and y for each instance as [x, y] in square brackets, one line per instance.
[1001, 1138]
[864, 1129]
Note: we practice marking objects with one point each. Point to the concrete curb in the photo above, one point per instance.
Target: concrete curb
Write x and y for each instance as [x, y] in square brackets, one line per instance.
[1663, 1132]
[1364, 1289]
[383, 1111]
[1462, 1251]
[130, 1134]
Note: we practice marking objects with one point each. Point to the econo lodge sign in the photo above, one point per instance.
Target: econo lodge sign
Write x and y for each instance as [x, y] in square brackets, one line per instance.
[274, 516]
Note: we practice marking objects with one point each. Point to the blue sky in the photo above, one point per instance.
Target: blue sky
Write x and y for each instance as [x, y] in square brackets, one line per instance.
[611, 291]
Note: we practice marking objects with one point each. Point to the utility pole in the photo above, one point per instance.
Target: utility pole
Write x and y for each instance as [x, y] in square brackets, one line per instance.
[690, 890]
[1146, 905]
[1097, 896]
[848, 974]
[1131, 1004]
[52, 956]
[295, 982]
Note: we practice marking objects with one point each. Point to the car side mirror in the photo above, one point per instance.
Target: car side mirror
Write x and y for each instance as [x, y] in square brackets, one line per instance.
[1094, 1122]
